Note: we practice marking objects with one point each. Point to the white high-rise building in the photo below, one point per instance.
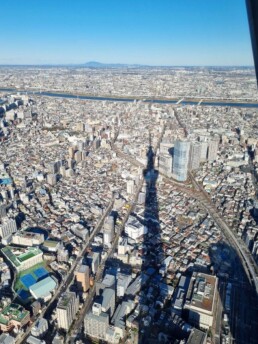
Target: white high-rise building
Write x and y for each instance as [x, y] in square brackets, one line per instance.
[67, 308]
[195, 155]
[8, 227]
[213, 150]
[96, 325]
[134, 229]
[204, 150]
[107, 237]
[130, 187]
[109, 230]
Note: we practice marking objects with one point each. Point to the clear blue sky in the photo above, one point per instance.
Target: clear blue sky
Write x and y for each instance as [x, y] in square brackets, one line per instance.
[157, 32]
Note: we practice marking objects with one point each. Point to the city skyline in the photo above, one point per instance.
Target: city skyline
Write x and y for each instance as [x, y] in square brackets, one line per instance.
[145, 33]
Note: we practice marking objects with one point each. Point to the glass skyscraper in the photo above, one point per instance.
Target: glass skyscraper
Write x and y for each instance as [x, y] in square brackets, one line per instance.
[180, 160]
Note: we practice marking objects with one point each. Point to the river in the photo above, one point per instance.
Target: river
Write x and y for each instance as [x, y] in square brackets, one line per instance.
[149, 100]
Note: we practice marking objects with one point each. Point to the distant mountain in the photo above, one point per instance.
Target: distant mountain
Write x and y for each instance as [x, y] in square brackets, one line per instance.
[96, 64]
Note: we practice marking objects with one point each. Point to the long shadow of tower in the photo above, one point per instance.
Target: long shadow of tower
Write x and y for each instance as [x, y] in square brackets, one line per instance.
[152, 248]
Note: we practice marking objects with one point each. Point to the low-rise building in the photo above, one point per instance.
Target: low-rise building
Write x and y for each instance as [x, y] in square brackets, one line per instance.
[22, 258]
[13, 316]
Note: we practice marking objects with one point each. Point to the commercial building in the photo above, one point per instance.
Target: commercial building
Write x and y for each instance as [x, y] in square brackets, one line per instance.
[13, 316]
[195, 155]
[200, 299]
[165, 163]
[7, 227]
[213, 146]
[130, 186]
[22, 258]
[134, 229]
[197, 337]
[123, 282]
[180, 161]
[204, 150]
[67, 308]
[25, 238]
[2, 210]
[51, 245]
[96, 325]
[94, 260]
[108, 301]
[82, 277]
[52, 179]
[40, 327]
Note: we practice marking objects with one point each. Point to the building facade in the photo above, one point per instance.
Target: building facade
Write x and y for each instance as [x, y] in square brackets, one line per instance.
[180, 160]
[67, 308]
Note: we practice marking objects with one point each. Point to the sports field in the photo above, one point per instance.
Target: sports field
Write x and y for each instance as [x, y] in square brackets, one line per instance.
[29, 277]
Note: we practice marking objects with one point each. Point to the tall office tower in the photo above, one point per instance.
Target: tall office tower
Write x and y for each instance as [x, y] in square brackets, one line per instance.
[62, 170]
[110, 223]
[80, 145]
[96, 143]
[130, 186]
[54, 167]
[67, 307]
[204, 150]
[52, 179]
[107, 237]
[82, 276]
[11, 193]
[78, 156]
[8, 227]
[195, 155]
[180, 160]
[93, 259]
[2, 210]
[109, 230]
[70, 163]
[165, 163]
[80, 126]
[142, 197]
[108, 301]
[71, 152]
[213, 146]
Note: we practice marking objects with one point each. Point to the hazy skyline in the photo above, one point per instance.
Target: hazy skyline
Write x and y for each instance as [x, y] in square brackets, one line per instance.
[167, 32]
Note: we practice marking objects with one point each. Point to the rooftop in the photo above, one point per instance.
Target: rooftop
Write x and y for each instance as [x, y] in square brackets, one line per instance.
[201, 291]
[65, 300]
[43, 287]
[18, 255]
[13, 312]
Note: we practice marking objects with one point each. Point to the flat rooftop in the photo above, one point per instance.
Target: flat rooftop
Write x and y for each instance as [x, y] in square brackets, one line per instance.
[65, 300]
[13, 312]
[201, 291]
[18, 255]
[43, 287]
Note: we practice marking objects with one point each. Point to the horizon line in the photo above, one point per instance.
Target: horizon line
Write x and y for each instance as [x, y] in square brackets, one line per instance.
[118, 64]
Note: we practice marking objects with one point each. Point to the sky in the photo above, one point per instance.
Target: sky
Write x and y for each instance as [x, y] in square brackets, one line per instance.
[151, 32]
